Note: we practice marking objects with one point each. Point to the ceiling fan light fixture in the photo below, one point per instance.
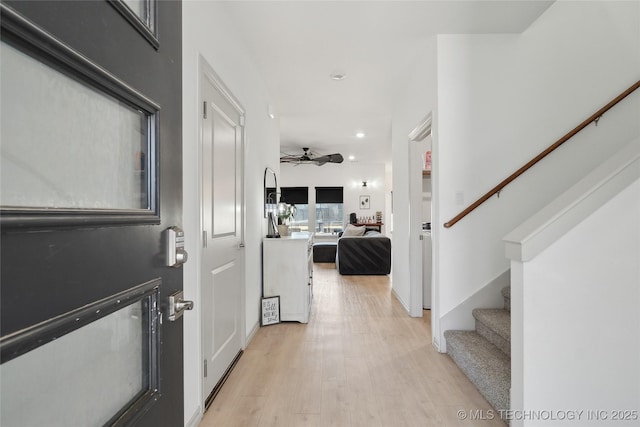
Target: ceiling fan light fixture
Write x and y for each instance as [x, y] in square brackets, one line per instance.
[338, 75]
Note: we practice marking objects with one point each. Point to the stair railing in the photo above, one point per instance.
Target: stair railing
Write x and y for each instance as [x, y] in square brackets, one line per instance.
[496, 190]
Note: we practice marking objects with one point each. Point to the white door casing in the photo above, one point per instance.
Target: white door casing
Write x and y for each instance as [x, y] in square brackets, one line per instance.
[222, 207]
[419, 133]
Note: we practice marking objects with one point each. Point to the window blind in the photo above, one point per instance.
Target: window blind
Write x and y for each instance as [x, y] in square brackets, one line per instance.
[328, 194]
[295, 195]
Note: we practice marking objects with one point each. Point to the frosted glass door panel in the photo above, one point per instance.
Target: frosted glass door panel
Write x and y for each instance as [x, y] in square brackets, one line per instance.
[143, 9]
[138, 7]
[66, 145]
[83, 378]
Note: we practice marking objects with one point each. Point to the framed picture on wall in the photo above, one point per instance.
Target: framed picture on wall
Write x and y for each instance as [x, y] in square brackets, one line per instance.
[365, 202]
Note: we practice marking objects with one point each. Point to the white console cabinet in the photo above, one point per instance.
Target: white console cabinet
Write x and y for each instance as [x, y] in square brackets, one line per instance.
[287, 269]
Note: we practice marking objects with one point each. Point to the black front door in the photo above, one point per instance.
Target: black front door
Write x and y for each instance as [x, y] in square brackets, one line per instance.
[91, 182]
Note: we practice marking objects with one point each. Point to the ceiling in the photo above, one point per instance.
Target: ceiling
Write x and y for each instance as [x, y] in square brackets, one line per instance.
[296, 45]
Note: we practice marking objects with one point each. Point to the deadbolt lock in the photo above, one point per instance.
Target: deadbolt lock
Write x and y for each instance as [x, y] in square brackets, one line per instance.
[176, 255]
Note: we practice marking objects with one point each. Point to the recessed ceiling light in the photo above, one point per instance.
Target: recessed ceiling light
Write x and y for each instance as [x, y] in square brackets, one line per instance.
[352, 157]
[360, 135]
[338, 75]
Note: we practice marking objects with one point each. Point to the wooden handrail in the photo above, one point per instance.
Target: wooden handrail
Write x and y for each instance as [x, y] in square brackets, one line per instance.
[593, 118]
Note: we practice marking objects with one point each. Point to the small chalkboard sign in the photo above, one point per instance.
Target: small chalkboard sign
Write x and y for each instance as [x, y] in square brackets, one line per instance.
[270, 310]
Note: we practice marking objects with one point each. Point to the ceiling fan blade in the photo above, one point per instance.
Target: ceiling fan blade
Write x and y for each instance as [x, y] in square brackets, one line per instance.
[329, 158]
[308, 158]
[289, 159]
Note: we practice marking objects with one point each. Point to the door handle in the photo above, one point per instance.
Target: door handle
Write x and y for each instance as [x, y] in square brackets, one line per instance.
[177, 306]
[182, 305]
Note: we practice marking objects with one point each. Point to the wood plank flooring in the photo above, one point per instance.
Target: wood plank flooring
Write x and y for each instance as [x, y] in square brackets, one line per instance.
[361, 361]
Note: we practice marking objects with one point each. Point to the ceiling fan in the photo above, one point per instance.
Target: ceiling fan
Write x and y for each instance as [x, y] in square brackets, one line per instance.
[308, 157]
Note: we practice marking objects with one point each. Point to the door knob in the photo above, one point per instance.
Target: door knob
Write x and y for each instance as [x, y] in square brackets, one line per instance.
[177, 306]
[184, 305]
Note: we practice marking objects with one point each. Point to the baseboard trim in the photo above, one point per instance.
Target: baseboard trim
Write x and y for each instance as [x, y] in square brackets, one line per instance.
[402, 302]
[252, 333]
[195, 419]
[436, 345]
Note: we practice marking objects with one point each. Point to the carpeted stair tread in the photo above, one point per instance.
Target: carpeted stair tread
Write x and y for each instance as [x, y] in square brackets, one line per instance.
[494, 325]
[496, 319]
[506, 294]
[488, 368]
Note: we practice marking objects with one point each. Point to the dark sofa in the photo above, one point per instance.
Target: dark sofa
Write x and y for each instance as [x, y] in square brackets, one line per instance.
[368, 254]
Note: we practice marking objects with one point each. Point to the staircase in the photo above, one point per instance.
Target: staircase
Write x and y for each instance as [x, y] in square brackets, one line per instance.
[484, 355]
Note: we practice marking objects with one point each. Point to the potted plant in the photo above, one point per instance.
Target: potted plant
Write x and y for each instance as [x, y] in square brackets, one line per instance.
[284, 217]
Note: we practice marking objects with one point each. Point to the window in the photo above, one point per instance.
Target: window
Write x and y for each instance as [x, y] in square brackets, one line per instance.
[299, 197]
[329, 211]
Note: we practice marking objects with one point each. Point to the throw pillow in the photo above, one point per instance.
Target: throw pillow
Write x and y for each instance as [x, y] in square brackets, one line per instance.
[353, 231]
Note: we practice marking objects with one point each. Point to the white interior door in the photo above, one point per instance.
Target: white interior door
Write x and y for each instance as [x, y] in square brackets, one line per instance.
[222, 277]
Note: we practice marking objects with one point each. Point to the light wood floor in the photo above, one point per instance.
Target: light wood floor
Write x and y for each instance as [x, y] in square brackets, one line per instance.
[361, 361]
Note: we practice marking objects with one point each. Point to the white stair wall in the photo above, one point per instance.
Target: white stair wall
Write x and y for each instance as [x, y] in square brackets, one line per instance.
[575, 301]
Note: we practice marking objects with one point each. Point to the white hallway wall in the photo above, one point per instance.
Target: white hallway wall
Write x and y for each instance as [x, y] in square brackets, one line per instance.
[207, 32]
[502, 99]
[347, 175]
[413, 101]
